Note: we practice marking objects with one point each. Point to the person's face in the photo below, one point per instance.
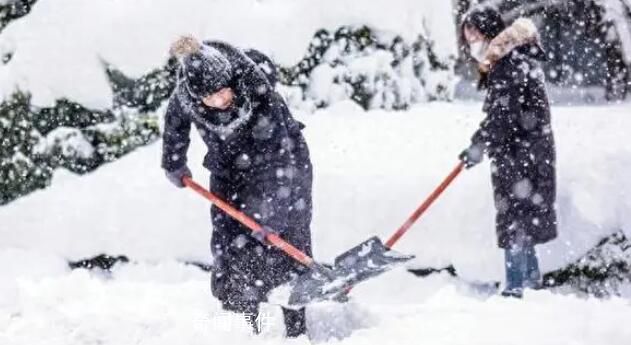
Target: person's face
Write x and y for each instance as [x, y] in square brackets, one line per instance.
[221, 99]
[472, 35]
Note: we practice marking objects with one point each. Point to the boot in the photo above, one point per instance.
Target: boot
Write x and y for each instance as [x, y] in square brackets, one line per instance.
[295, 322]
[515, 264]
[532, 279]
[522, 270]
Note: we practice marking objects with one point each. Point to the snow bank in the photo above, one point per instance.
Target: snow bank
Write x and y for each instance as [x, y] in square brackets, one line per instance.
[168, 304]
[372, 169]
[59, 48]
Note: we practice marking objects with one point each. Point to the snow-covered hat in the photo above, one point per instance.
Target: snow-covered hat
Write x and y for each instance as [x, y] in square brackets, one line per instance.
[204, 69]
[486, 19]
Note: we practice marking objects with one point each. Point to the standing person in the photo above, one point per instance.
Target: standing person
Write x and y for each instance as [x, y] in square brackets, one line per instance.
[517, 136]
[259, 162]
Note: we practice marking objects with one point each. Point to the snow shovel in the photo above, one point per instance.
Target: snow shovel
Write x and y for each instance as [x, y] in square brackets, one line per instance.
[358, 264]
[419, 211]
[364, 261]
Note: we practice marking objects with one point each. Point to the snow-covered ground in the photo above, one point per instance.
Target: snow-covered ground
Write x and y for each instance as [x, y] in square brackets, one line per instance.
[166, 304]
[372, 169]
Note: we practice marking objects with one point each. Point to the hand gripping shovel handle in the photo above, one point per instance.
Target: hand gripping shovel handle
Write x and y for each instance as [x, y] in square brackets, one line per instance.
[425, 205]
[244, 219]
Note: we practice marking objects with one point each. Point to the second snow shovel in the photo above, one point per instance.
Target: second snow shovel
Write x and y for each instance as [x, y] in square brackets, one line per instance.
[425, 205]
[364, 261]
[387, 248]
[360, 263]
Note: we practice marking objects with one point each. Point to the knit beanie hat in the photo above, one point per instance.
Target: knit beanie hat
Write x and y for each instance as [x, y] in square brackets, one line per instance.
[204, 69]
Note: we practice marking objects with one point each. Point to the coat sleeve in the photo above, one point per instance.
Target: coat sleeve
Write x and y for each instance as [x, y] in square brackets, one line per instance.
[503, 108]
[175, 138]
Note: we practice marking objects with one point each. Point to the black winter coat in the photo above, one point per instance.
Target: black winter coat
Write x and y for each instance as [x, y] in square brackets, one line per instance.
[517, 136]
[259, 163]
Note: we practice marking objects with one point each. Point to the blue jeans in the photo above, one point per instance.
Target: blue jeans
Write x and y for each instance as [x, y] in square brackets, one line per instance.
[522, 268]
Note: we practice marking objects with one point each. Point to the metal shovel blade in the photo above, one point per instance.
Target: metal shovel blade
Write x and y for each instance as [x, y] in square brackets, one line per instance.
[360, 263]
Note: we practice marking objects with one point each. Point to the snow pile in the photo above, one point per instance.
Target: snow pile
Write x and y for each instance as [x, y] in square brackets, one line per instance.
[79, 36]
[166, 303]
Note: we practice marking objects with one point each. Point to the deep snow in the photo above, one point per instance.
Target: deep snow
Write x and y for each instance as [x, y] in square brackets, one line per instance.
[168, 304]
[372, 169]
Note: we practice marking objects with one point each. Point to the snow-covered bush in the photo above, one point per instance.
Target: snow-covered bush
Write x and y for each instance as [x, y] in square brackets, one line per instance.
[602, 271]
[93, 83]
[83, 150]
[129, 131]
[66, 113]
[22, 168]
[13, 9]
[34, 141]
[616, 21]
[588, 41]
[145, 94]
[374, 68]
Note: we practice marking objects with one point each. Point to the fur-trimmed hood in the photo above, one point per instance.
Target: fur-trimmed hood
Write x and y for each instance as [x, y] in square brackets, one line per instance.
[522, 32]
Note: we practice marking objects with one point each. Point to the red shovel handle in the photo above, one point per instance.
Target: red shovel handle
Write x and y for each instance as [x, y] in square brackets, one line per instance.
[424, 206]
[421, 209]
[244, 219]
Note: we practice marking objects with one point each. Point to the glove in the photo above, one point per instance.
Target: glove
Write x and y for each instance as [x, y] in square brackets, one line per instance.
[177, 176]
[472, 156]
